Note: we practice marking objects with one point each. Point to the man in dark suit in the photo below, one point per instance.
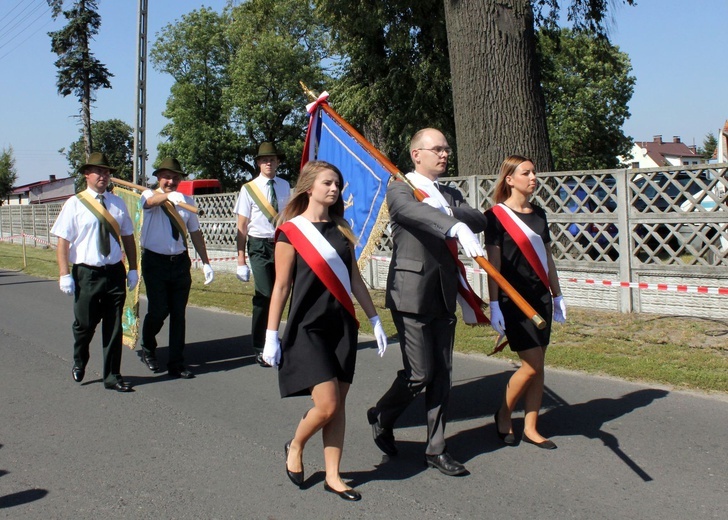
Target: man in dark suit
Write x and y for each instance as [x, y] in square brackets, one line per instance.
[422, 288]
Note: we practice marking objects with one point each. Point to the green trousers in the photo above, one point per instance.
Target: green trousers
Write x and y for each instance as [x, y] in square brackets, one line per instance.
[260, 254]
[100, 296]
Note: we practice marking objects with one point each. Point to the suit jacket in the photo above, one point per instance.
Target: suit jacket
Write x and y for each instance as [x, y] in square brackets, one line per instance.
[423, 276]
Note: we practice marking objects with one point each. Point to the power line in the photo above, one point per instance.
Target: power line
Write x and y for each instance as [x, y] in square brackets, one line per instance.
[21, 20]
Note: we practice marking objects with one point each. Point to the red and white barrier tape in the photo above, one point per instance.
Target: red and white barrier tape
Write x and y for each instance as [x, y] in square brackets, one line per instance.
[27, 237]
[693, 289]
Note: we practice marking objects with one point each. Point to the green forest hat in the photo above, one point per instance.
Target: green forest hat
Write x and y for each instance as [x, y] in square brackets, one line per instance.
[266, 150]
[171, 164]
[97, 159]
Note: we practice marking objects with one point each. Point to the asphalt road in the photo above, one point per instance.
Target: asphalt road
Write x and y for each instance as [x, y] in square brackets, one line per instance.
[212, 447]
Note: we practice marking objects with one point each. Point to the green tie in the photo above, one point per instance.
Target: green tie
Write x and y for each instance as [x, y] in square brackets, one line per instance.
[104, 241]
[273, 197]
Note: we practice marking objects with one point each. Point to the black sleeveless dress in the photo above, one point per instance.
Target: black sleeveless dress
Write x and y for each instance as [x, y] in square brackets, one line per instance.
[522, 334]
[320, 339]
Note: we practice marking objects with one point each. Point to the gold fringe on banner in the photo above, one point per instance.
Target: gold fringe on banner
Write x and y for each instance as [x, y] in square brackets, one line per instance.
[130, 318]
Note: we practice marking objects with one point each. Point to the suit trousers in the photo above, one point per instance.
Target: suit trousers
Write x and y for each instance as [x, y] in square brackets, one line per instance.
[99, 297]
[427, 345]
[261, 252]
[168, 282]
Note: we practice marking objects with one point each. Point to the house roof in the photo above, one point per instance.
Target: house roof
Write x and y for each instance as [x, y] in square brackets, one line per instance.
[657, 149]
[25, 188]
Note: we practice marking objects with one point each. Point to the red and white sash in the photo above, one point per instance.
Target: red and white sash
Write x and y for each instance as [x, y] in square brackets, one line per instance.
[322, 258]
[529, 242]
[470, 303]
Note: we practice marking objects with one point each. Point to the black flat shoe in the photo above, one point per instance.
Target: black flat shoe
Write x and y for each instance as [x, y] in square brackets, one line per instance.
[78, 373]
[262, 362]
[181, 374]
[446, 464]
[150, 361]
[295, 477]
[383, 437]
[121, 386]
[546, 445]
[348, 494]
[507, 438]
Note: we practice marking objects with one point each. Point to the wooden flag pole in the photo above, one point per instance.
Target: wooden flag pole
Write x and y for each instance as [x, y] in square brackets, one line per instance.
[497, 277]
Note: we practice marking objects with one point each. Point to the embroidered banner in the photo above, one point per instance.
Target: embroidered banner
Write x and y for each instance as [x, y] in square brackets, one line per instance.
[365, 178]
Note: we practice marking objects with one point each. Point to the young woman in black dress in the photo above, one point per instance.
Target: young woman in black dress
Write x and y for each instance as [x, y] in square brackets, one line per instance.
[318, 352]
[517, 242]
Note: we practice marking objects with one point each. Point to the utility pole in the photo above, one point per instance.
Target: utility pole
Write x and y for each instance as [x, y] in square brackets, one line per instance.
[140, 123]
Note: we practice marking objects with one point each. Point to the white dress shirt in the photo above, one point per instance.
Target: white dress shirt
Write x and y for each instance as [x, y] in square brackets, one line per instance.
[157, 228]
[258, 224]
[80, 227]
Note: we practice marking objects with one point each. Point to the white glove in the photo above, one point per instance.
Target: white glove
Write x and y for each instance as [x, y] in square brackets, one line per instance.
[67, 285]
[559, 309]
[468, 241]
[175, 197]
[132, 279]
[432, 201]
[272, 348]
[243, 273]
[379, 334]
[209, 274]
[496, 318]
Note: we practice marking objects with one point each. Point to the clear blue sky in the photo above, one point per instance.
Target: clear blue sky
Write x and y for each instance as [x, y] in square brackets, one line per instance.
[676, 48]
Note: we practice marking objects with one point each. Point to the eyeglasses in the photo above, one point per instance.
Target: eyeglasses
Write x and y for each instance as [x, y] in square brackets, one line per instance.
[439, 150]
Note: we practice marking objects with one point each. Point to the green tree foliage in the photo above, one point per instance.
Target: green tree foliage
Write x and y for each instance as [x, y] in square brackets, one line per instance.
[8, 174]
[587, 86]
[277, 43]
[393, 72]
[196, 52]
[710, 143]
[79, 72]
[237, 84]
[113, 137]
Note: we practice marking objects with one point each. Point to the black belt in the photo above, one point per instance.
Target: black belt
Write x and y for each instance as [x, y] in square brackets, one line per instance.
[168, 258]
[106, 267]
[269, 240]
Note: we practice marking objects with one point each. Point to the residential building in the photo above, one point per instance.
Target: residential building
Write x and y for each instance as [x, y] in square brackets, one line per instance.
[657, 154]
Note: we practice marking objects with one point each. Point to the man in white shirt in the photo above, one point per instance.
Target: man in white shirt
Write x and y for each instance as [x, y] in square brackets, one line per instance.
[166, 266]
[91, 228]
[258, 204]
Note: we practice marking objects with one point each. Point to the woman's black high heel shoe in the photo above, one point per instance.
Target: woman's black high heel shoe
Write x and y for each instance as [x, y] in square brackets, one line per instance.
[507, 438]
[295, 476]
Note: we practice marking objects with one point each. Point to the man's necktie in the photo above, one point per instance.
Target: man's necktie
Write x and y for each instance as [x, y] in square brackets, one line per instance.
[104, 241]
[273, 197]
[175, 231]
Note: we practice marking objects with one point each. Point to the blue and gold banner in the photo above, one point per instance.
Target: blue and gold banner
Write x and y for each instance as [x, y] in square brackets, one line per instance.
[365, 178]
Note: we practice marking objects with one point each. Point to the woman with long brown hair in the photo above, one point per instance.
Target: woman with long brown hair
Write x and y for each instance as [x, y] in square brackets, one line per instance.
[517, 241]
[316, 265]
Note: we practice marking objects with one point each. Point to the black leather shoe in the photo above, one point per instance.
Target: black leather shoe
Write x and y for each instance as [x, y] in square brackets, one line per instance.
[383, 437]
[446, 464]
[78, 373]
[546, 445]
[507, 438]
[120, 386]
[348, 494]
[181, 374]
[295, 476]
[150, 361]
[262, 362]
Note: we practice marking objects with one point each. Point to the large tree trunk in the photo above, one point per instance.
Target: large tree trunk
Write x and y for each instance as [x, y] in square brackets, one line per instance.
[498, 102]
